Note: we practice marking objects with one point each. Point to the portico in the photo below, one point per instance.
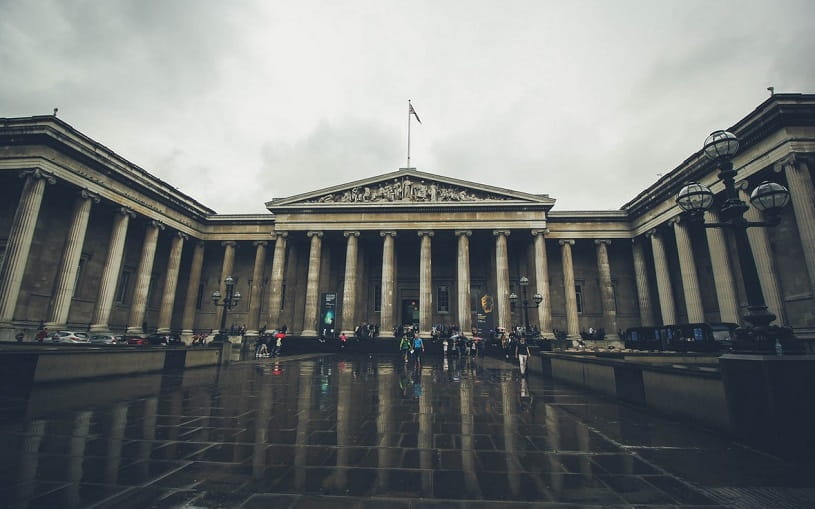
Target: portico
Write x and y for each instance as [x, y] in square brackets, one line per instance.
[90, 241]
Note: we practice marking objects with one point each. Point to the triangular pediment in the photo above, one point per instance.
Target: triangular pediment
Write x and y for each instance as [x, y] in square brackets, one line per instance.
[409, 187]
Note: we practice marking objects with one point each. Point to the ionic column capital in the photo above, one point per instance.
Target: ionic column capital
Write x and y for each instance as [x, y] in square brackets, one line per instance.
[468, 233]
[352, 233]
[743, 185]
[544, 232]
[423, 233]
[498, 233]
[653, 232]
[792, 161]
[126, 212]
[563, 242]
[385, 233]
[38, 173]
[260, 243]
[228, 243]
[275, 235]
[181, 235]
[156, 224]
[317, 234]
[597, 242]
[676, 220]
[84, 194]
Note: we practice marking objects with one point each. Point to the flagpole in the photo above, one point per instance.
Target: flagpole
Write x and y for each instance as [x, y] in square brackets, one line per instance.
[408, 152]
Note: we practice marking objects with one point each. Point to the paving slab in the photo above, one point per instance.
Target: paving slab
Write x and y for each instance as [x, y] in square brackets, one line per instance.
[371, 431]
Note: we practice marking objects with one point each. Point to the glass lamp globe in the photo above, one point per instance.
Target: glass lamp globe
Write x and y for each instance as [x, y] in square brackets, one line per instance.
[770, 197]
[694, 197]
[721, 145]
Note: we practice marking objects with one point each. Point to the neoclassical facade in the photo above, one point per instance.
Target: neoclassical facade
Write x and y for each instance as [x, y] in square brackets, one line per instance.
[90, 241]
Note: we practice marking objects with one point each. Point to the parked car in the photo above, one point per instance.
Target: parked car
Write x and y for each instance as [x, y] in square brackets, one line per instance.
[158, 339]
[106, 339]
[65, 336]
[136, 340]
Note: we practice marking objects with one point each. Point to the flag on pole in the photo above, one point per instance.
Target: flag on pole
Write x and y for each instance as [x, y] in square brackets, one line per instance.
[411, 111]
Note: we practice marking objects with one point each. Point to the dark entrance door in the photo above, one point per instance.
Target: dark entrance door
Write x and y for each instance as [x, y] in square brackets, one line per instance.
[410, 312]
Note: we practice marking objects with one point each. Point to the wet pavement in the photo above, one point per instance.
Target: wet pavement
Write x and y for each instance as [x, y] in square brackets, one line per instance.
[323, 431]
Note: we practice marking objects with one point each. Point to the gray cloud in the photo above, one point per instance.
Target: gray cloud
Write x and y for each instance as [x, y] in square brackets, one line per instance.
[235, 104]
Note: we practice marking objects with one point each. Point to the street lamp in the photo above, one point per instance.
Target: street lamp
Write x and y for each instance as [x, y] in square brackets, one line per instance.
[695, 198]
[228, 302]
[538, 298]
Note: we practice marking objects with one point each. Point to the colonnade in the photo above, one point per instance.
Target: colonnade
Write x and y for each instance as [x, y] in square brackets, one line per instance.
[19, 244]
[21, 235]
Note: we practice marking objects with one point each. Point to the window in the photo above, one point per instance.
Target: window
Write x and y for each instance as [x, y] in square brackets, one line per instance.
[151, 290]
[199, 299]
[578, 291]
[377, 297]
[124, 287]
[80, 273]
[443, 299]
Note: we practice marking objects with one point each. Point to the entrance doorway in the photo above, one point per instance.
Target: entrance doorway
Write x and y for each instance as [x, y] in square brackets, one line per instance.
[410, 312]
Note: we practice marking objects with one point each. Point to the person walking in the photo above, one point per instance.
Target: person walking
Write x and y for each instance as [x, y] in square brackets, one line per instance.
[522, 354]
[418, 348]
[404, 347]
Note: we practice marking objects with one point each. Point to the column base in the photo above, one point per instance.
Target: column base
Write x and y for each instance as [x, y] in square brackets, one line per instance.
[251, 333]
[163, 330]
[186, 336]
[134, 331]
[6, 331]
[100, 328]
[53, 326]
[309, 333]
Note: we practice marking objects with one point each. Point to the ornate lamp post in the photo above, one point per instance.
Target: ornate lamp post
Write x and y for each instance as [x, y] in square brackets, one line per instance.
[538, 298]
[229, 301]
[759, 336]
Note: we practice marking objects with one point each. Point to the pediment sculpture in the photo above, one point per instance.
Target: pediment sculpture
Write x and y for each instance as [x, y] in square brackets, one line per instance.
[405, 189]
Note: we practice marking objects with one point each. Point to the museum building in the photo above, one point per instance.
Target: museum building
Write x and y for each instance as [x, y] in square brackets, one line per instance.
[91, 241]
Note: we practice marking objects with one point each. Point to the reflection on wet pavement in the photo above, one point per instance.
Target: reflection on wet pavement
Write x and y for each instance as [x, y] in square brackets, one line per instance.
[327, 431]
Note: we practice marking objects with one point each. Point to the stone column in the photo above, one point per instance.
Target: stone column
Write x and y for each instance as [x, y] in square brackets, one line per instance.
[722, 271]
[257, 288]
[19, 245]
[276, 280]
[542, 282]
[191, 299]
[802, 195]
[572, 319]
[606, 289]
[171, 283]
[313, 284]
[349, 288]
[502, 278]
[66, 277]
[687, 266]
[463, 280]
[425, 283]
[762, 254]
[143, 274]
[227, 267]
[664, 287]
[110, 273]
[643, 290]
[388, 286]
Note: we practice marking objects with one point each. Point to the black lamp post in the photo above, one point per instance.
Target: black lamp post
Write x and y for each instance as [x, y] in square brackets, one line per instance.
[538, 298]
[759, 336]
[229, 301]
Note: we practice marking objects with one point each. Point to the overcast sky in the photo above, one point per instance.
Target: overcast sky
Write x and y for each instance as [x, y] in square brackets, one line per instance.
[236, 103]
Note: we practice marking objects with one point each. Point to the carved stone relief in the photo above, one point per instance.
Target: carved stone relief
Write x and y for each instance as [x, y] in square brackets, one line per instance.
[406, 190]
